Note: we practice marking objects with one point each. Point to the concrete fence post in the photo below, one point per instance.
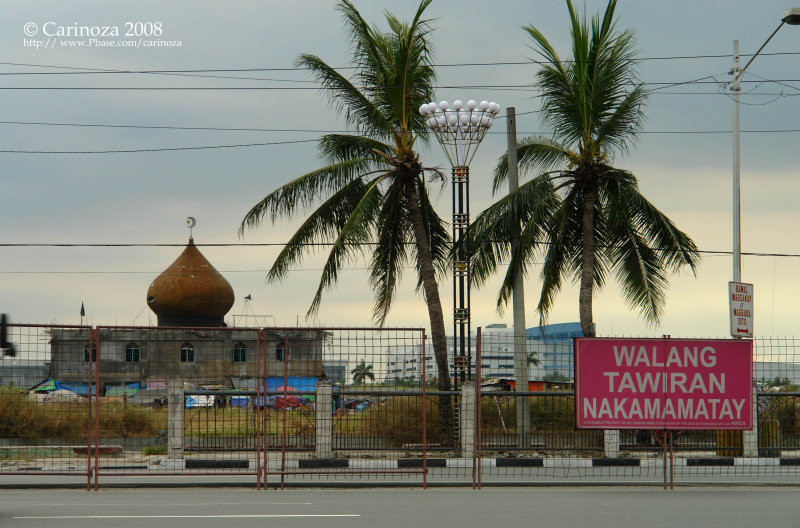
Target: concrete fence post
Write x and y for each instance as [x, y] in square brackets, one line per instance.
[750, 438]
[466, 416]
[176, 403]
[323, 419]
[611, 443]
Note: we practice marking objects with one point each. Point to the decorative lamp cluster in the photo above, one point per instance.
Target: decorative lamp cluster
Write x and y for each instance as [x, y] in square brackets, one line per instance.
[461, 127]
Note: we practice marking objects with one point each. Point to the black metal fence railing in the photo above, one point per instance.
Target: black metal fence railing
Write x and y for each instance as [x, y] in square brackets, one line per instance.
[553, 427]
[552, 418]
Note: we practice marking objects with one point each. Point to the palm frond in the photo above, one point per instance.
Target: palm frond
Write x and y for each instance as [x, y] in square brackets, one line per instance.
[355, 232]
[675, 248]
[336, 148]
[556, 256]
[436, 229]
[522, 256]
[322, 225]
[525, 212]
[390, 254]
[563, 249]
[406, 77]
[535, 155]
[641, 277]
[590, 99]
[638, 270]
[304, 191]
[358, 110]
[643, 243]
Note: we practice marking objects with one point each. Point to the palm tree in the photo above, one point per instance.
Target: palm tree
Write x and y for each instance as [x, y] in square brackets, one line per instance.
[372, 188]
[586, 216]
[533, 359]
[362, 372]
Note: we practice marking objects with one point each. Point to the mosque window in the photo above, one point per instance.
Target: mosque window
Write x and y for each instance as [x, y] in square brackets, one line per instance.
[132, 353]
[240, 353]
[279, 351]
[187, 353]
[86, 353]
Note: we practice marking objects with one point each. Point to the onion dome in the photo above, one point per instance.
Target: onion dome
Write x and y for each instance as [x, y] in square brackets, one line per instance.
[190, 292]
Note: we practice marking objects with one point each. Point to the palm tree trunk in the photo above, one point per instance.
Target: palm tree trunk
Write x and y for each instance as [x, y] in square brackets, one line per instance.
[587, 261]
[435, 314]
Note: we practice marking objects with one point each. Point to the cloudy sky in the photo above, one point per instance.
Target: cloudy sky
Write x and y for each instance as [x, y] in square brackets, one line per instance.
[139, 199]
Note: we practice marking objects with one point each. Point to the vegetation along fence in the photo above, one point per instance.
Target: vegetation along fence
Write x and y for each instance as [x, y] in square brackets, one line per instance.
[343, 404]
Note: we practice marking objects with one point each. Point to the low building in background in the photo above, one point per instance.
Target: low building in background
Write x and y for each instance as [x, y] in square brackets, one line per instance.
[550, 345]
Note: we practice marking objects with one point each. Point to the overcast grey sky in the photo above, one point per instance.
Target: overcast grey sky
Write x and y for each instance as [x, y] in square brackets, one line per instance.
[683, 160]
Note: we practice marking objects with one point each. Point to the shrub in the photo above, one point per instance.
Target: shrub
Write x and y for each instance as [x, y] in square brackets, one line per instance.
[23, 417]
[548, 413]
[553, 413]
[398, 420]
[497, 411]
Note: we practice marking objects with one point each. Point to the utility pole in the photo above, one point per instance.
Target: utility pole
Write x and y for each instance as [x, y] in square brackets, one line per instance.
[518, 298]
[737, 223]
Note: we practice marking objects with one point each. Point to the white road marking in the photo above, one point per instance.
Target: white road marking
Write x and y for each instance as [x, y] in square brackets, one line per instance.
[253, 516]
[259, 503]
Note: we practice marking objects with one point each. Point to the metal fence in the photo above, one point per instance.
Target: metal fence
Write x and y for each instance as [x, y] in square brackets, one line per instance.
[314, 405]
[44, 424]
[551, 446]
[269, 403]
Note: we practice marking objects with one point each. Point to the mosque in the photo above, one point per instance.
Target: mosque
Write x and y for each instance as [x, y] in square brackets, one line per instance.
[192, 342]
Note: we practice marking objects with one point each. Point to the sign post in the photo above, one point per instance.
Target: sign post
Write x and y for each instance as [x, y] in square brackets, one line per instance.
[740, 297]
[666, 385]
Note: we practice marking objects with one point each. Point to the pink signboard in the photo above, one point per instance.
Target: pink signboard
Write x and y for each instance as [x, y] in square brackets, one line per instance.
[672, 384]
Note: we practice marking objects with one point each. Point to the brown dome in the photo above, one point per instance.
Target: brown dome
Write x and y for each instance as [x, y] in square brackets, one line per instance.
[190, 292]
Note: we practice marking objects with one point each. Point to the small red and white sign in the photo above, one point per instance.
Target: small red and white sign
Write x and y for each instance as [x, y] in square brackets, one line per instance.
[740, 296]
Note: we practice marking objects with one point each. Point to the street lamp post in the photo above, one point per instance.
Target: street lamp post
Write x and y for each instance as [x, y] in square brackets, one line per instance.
[791, 17]
[460, 128]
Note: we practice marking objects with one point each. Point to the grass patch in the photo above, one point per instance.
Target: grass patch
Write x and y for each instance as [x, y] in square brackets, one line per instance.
[548, 414]
[397, 420]
[33, 453]
[203, 422]
[27, 419]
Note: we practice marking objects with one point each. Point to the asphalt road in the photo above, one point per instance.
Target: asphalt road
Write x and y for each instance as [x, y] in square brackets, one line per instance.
[406, 507]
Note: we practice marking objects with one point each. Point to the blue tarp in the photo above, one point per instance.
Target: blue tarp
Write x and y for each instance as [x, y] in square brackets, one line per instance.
[51, 385]
[77, 388]
[240, 401]
[198, 400]
[302, 384]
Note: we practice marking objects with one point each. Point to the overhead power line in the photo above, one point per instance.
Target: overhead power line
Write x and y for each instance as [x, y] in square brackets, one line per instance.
[160, 149]
[335, 131]
[282, 244]
[520, 87]
[298, 141]
[84, 70]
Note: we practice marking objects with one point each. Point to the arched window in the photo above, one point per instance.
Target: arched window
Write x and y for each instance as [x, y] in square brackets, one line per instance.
[86, 353]
[279, 351]
[187, 353]
[132, 353]
[240, 353]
